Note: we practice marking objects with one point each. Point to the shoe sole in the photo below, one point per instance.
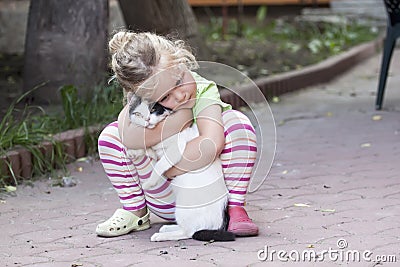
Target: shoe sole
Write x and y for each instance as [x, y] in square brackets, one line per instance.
[244, 232]
[145, 226]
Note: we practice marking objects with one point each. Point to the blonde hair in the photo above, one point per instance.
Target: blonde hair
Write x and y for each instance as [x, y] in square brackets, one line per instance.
[135, 57]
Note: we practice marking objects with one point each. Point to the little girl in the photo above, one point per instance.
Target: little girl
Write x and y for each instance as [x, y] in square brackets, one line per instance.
[159, 69]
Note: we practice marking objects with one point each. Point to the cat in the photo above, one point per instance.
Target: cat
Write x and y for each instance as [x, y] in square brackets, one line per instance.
[201, 195]
[145, 114]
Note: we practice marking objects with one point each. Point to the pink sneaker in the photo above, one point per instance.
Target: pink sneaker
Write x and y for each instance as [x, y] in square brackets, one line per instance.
[240, 224]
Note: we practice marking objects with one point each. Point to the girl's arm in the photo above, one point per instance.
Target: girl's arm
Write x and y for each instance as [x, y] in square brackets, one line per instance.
[136, 137]
[204, 149]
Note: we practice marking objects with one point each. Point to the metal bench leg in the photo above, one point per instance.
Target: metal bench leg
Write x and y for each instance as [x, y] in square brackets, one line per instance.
[387, 55]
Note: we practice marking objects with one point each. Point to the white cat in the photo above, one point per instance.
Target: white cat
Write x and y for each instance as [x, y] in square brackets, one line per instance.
[145, 114]
[201, 195]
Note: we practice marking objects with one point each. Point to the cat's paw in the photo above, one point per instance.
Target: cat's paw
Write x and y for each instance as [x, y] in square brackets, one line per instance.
[148, 185]
[151, 154]
[169, 228]
[157, 237]
[135, 153]
[173, 154]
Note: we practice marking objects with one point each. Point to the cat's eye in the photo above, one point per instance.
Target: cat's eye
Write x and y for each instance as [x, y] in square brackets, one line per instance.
[137, 114]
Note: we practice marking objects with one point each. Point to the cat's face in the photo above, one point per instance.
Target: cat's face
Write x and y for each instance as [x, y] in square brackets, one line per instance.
[145, 114]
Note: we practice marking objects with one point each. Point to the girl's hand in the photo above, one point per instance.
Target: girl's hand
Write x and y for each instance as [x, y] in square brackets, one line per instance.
[172, 172]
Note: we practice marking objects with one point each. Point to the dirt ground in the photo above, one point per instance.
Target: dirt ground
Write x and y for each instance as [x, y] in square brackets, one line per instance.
[257, 59]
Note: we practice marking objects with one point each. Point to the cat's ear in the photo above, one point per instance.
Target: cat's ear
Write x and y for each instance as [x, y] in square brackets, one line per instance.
[131, 96]
[133, 100]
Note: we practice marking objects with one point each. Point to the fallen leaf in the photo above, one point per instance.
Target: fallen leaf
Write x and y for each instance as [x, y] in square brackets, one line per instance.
[10, 188]
[285, 172]
[301, 205]
[328, 210]
[275, 99]
[310, 246]
[366, 145]
[243, 109]
[82, 159]
[79, 169]
[376, 117]
[329, 114]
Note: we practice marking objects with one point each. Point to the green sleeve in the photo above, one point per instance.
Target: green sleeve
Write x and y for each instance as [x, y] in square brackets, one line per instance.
[207, 94]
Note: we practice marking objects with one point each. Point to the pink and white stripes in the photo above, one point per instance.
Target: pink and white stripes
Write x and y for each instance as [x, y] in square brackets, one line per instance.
[238, 158]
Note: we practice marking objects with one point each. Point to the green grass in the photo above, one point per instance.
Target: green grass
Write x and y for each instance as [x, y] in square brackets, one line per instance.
[29, 126]
[318, 39]
[102, 106]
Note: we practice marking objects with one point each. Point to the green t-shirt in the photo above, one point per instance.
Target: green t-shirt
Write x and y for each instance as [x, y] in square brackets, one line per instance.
[207, 94]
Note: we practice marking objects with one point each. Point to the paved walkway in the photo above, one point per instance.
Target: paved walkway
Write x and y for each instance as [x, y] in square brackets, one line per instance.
[335, 178]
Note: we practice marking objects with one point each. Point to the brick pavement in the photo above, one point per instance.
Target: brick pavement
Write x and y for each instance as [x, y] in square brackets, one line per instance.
[335, 176]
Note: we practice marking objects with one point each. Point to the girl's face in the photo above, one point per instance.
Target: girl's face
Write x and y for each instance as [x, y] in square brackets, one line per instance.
[175, 89]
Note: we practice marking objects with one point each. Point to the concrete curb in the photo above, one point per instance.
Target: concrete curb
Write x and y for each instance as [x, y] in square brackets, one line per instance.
[20, 159]
[322, 72]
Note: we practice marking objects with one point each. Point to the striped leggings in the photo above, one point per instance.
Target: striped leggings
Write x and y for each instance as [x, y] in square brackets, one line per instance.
[238, 158]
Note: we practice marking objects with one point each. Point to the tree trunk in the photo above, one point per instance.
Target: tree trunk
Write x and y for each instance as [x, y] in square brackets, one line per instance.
[174, 17]
[66, 43]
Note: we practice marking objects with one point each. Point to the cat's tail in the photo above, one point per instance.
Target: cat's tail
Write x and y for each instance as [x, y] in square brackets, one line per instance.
[214, 235]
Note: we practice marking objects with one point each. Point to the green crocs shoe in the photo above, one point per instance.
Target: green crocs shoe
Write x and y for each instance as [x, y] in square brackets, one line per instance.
[123, 222]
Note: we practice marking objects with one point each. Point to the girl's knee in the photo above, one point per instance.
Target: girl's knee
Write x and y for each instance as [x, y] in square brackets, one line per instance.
[109, 137]
[237, 123]
[110, 130]
[231, 117]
